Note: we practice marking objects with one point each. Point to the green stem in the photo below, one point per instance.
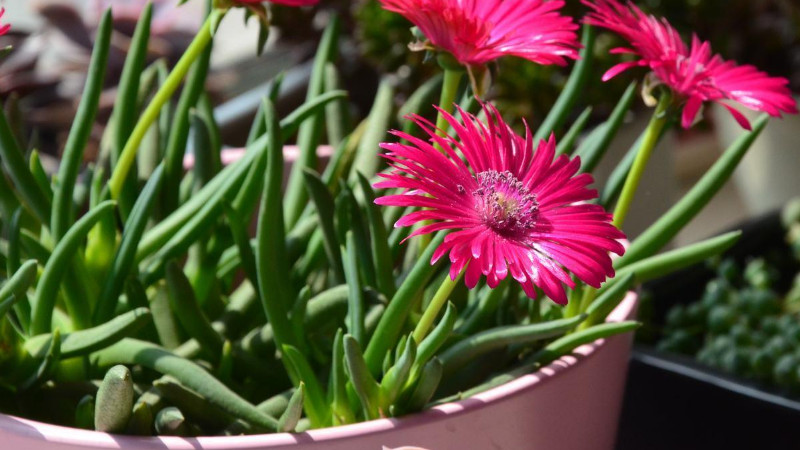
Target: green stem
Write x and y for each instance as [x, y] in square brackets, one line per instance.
[583, 301]
[576, 295]
[151, 113]
[452, 79]
[649, 142]
[437, 302]
[589, 296]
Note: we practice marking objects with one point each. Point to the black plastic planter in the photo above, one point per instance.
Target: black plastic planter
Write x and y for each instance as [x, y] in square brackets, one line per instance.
[673, 402]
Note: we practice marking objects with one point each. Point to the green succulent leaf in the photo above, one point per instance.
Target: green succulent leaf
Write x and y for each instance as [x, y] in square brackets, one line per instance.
[593, 149]
[366, 158]
[379, 241]
[364, 384]
[40, 175]
[434, 341]
[294, 410]
[131, 351]
[566, 344]
[392, 322]
[667, 227]
[66, 249]
[311, 130]
[337, 113]
[396, 377]
[572, 90]
[14, 288]
[125, 257]
[340, 406]
[127, 102]
[323, 201]
[426, 386]
[420, 100]
[660, 265]
[170, 421]
[355, 309]
[114, 404]
[141, 421]
[187, 310]
[72, 157]
[198, 409]
[31, 194]
[83, 342]
[604, 304]
[566, 144]
[84, 413]
[496, 338]
[47, 365]
[316, 406]
[270, 238]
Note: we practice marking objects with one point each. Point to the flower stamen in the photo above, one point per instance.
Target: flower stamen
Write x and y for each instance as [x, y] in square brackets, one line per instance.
[504, 203]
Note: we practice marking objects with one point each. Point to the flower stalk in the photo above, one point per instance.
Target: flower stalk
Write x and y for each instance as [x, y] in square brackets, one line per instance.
[452, 79]
[436, 304]
[651, 138]
[151, 113]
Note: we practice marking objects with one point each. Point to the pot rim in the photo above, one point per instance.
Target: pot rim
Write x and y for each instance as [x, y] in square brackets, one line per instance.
[233, 154]
[98, 440]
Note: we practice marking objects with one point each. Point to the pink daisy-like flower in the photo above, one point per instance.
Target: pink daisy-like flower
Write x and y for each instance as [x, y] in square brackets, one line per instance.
[694, 73]
[258, 8]
[279, 2]
[513, 208]
[3, 28]
[477, 32]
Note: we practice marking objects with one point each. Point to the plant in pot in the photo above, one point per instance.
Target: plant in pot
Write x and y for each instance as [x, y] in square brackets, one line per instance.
[136, 303]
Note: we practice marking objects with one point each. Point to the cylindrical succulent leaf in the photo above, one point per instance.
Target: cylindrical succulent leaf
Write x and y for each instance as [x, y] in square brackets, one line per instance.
[395, 378]
[141, 422]
[171, 422]
[427, 385]
[84, 413]
[114, 404]
[294, 411]
[365, 386]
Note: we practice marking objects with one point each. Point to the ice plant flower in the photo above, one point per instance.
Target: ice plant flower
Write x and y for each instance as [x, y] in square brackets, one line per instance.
[279, 2]
[694, 74]
[513, 208]
[257, 8]
[477, 32]
[4, 28]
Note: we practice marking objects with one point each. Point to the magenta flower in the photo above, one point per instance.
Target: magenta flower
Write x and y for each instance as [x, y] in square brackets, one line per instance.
[477, 32]
[695, 74]
[513, 208]
[3, 28]
[279, 2]
[257, 8]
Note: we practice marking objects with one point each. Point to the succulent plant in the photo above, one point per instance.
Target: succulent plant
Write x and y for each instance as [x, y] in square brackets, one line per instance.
[145, 275]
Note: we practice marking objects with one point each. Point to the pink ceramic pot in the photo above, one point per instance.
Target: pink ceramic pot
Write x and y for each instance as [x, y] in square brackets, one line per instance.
[572, 404]
[290, 154]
